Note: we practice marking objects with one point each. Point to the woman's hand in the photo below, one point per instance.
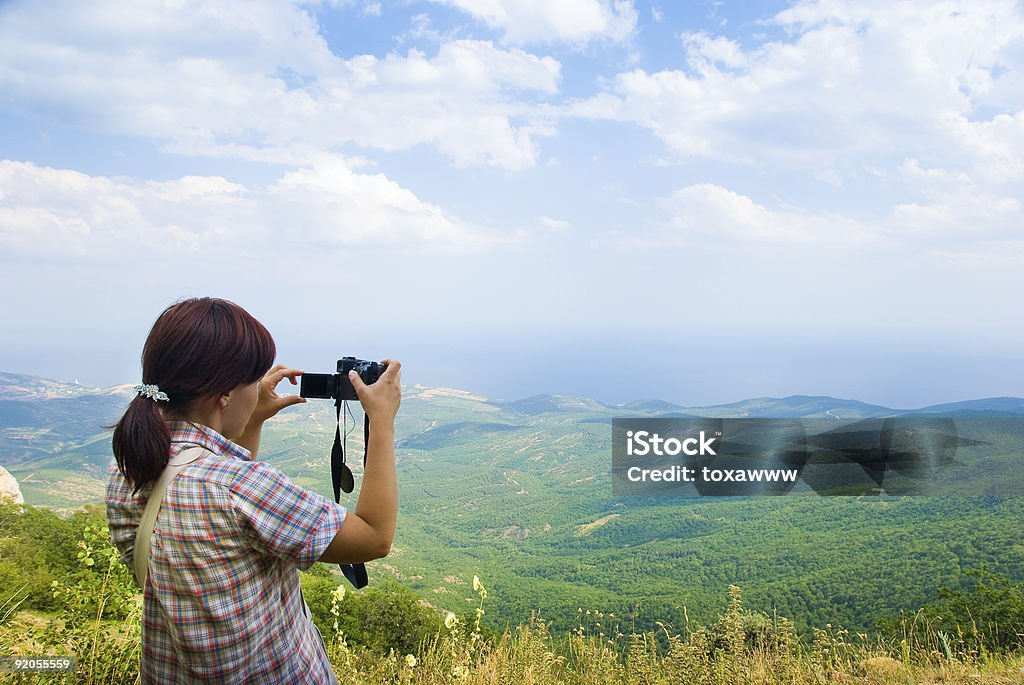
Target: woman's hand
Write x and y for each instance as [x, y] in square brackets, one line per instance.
[381, 399]
[269, 402]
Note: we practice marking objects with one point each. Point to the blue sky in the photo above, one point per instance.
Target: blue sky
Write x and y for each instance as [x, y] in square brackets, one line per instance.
[699, 202]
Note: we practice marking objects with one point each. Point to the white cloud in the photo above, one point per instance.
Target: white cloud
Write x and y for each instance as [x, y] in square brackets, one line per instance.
[995, 147]
[954, 212]
[707, 52]
[851, 82]
[62, 214]
[460, 100]
[541, 21]
[330, 205]
[200, 76]
[956, 224]
[706, 213]
[909, 105]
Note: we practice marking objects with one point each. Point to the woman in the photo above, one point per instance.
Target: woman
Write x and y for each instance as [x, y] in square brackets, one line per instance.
[222, 601]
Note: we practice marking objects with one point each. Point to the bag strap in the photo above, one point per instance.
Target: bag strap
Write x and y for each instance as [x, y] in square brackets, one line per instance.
[156, 497]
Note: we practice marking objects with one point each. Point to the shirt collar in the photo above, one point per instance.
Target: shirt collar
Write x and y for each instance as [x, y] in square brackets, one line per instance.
[192, 433]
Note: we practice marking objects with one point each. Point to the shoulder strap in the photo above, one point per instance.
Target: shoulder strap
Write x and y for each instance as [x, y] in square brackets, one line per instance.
[156, 497]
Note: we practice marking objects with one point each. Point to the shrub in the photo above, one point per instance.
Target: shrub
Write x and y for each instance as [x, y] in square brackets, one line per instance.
[380, 618]
[986, 617]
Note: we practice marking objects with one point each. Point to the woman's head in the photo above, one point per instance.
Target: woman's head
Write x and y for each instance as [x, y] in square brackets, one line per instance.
[198, 349]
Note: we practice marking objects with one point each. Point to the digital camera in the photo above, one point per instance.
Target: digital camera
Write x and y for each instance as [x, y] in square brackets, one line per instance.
[337, 386]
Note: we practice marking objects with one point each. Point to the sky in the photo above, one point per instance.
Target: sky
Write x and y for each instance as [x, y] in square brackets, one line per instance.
[699, 202]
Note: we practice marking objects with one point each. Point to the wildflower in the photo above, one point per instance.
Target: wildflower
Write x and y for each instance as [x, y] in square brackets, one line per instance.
[339, 594]
[410, 661]
[450, 620]
[479, 612]
[477, 585]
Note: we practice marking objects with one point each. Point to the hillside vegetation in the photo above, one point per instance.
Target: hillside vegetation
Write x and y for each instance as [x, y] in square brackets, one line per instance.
[520, 493]
[64, 592]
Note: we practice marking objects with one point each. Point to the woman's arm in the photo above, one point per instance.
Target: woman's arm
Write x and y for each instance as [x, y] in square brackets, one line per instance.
[368, 532]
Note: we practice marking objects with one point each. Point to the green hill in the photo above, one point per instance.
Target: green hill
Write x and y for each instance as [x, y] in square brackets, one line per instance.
[520, 492]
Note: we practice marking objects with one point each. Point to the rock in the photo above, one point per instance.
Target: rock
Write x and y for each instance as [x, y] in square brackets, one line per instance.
[9, 487]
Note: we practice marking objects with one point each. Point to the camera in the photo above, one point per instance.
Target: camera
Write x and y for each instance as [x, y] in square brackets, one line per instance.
[337, 386]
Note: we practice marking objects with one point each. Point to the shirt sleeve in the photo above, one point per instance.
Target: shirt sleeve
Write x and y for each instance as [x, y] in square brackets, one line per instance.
[282, 519]
[123, 514]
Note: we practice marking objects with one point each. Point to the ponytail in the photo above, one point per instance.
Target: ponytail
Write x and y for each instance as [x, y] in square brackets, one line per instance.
[142, 443]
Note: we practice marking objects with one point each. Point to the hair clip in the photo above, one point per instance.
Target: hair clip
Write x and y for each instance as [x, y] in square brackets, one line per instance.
[152, 392]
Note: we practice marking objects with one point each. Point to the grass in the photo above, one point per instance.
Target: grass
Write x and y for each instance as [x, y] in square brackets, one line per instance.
[740, 647]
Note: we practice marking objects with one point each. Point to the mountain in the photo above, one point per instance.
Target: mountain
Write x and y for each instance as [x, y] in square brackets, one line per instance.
[797, 406]
[52, 437]
[19, 387]
[546, 404]
[654, 406]
[1006, 405]
[519, 492]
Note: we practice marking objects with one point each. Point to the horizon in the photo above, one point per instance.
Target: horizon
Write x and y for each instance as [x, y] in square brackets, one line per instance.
[284, 388]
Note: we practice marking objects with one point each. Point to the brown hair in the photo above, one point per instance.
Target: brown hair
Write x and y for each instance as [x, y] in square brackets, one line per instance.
[197, 348]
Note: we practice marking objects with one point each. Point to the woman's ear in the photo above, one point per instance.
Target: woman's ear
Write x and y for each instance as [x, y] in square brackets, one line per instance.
[223, 401]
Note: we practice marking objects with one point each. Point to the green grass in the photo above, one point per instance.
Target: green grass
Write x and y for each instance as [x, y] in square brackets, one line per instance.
[739, 647]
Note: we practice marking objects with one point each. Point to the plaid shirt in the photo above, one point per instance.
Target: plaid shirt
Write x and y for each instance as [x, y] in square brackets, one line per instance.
[222, 602]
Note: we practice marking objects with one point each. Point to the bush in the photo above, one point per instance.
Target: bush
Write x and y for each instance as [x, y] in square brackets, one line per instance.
[36, 547]
[380, 618]
[986, 617]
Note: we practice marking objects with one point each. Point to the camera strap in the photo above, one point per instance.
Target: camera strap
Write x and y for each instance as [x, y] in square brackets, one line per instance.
[338, 464]
[356, 573]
